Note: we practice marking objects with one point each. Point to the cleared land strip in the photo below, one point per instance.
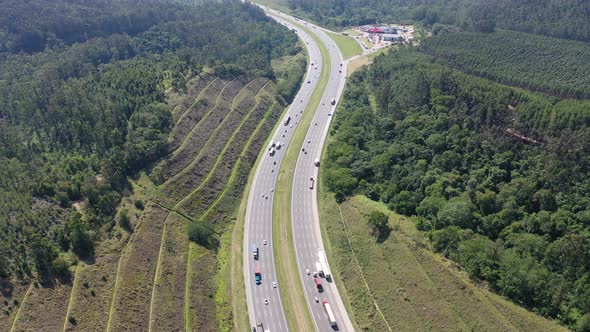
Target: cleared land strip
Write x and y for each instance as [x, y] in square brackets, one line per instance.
[200, 140]
[195, 203]
[130, 310]
[184, 182]
[195, 89]
[7, 321]
[166, 290]
[196, 138]
[207, 99]
[44, 309]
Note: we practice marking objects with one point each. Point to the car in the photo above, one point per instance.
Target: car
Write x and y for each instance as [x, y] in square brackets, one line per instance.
[291, 126]
[272, 190]
[308, 141]
[266, 197]
[274, 284]
[316, 299]
[262, 195]
[265, 301]
[264, 242]
[307, 271]
[308, 81]
[314, 274]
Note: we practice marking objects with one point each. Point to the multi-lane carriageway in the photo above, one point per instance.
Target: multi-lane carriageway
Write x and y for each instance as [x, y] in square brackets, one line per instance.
[306, 229]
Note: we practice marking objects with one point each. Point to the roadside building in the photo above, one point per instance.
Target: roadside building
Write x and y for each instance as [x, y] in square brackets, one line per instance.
[393, 37]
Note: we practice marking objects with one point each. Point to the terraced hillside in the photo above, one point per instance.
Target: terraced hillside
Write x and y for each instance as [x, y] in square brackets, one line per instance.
[400, 285]
[149, 276]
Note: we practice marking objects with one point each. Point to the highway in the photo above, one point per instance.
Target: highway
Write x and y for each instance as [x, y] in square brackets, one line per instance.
[304, 209]
[258, 223]
[306, 229]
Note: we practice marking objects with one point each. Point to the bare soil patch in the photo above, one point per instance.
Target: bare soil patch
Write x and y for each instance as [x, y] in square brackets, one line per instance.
[11, 297]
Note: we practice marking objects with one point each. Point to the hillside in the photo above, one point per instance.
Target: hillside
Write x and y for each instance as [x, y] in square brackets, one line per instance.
[123, 157]
[396, 283]
[550, 65]
[566, 19]
[497, 176]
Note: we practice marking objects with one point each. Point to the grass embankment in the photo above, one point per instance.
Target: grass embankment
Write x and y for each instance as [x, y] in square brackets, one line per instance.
[296, 309]
[402, 285]
[347, 45]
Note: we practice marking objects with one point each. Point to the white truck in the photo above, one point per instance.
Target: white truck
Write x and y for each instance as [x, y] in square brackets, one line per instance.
[319, 269]
[330, 313]
[324, 263]
[287, 119]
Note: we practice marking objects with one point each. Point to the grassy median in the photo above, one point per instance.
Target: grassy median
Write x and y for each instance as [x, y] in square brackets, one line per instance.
[347, 45]
[293, 298]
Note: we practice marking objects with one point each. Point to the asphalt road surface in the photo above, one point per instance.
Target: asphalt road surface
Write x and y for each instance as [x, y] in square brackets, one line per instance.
[258, 226]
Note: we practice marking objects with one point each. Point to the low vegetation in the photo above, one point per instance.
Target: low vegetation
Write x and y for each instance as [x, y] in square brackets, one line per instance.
[496, 175]
[395, 283]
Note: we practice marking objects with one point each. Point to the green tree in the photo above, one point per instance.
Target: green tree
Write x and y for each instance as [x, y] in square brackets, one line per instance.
[379, 225]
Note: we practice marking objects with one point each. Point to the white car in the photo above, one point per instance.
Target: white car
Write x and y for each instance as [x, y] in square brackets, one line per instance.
[272, 190]
[307, 271]
[265, 301]
[274, 284]
[264, 242]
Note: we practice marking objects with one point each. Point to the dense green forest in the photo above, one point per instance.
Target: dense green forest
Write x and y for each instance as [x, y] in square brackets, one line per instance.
[81, 109]
[558, 18]
[498, 176]
[550, 65]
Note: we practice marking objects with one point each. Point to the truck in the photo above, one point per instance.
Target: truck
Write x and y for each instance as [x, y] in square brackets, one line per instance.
[319, 269]
[333, 101]
[324, 264]
[257, 275]
[255, 250]
[330, 313]
[287, 119]
[317, 162]
[318, 284]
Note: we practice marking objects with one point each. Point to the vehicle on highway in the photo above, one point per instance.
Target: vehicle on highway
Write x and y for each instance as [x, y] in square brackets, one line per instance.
[314, 274]
[317, 162]
[274, 284]
[333, 101]
[311, 182]
[307, 271]
[255, 251]
[265, 301]
[308, 81]
[316, 299]
[264, 242]
[257, 275]
[308, 141]
[331, 317]
[272, 151]
[318, 267]
[318, 284]
[323, 261]
[287, 119]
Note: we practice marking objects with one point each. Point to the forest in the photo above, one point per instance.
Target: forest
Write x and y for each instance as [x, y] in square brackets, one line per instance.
[82, 108]
[566, 19]
[498, 177]
[539, 63]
